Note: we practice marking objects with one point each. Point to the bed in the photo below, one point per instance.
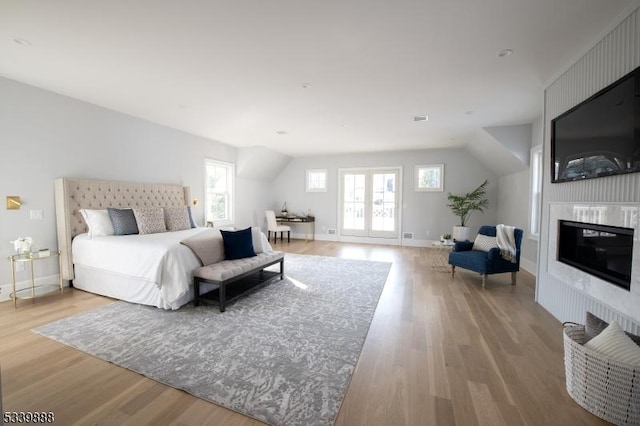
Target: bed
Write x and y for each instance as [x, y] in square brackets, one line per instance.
[153, 269]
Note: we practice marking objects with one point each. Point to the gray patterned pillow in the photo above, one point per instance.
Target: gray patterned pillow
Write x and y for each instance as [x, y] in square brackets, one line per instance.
[150, 220]
[484, 243]
[176, 218]
[123, 221]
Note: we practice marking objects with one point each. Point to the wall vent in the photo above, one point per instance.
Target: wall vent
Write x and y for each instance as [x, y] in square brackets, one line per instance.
[407, 235]
[331, 231]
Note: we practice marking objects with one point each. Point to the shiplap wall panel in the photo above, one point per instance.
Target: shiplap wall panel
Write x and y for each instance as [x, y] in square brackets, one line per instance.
[613, 57]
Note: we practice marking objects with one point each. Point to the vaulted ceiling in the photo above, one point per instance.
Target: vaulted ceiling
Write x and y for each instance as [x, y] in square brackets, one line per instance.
[302, 77]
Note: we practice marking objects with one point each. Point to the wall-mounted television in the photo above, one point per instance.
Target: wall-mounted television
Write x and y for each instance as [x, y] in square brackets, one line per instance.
[600, 136]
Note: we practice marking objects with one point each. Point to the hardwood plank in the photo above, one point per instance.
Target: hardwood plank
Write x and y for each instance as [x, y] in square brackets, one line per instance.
[440, 351]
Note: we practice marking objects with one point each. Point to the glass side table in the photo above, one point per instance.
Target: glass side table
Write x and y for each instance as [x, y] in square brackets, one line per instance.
[35, 290]
[439, 255]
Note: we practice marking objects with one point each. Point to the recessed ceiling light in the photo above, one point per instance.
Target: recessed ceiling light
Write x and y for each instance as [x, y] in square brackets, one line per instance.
[421, 118]
[505, 52]
[282, 132]
[22, 41]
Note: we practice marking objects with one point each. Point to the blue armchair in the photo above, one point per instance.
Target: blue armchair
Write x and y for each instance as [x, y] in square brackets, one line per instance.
[484, 262]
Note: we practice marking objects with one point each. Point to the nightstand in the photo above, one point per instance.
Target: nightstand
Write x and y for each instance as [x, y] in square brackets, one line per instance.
[35, 290]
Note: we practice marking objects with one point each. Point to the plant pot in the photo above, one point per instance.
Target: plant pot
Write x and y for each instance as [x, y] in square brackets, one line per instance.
[460, 233]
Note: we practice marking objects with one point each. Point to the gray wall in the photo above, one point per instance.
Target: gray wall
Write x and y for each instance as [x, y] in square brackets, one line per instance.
[514, 199]
[45, 136]
[424, 213]
[614, 56]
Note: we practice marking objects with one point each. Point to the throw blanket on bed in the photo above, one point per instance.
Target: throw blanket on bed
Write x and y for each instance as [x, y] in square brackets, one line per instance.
[505, 237]
[209, 247]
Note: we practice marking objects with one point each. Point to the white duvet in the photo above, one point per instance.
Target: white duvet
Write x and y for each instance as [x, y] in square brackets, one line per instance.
[155, 258]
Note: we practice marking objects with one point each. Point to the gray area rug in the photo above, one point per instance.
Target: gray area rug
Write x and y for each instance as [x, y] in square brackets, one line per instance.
[283, 354]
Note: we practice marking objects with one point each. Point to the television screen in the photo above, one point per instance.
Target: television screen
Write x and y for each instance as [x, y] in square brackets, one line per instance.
[600, 136]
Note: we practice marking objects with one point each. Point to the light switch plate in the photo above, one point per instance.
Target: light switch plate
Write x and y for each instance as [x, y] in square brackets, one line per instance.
[36, 214]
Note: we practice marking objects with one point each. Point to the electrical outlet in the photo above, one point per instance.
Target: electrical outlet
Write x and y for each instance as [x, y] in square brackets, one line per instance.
[36, 214]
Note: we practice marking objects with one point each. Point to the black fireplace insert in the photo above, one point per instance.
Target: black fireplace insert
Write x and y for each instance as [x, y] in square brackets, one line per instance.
[600, 250]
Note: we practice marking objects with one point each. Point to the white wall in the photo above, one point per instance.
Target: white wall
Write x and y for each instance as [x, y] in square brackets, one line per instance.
[514, 193]
[616, 55]
[45, 136]
[424, 213]
[513, 199]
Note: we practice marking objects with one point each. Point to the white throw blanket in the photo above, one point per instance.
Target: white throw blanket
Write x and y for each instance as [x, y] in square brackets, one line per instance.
[506, 239]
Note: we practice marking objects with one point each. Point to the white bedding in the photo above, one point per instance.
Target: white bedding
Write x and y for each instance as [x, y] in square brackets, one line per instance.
[152, 269]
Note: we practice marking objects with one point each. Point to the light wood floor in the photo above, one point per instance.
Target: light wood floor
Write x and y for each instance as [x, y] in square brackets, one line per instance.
[440, 351]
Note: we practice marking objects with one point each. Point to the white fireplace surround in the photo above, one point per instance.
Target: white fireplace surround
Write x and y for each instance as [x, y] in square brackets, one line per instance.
[614, 214]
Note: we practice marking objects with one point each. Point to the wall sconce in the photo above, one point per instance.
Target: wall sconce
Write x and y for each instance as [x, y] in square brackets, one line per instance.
[13, 202]
[195, 202]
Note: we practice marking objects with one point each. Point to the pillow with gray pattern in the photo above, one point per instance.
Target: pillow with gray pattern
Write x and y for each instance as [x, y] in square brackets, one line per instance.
[150, 220]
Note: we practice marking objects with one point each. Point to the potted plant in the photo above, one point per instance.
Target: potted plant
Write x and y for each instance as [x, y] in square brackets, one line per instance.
[445, 238]
[464, 205]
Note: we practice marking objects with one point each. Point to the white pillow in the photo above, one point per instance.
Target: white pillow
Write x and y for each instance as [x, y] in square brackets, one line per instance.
[98, 221]
[484, 243]
[614, 343]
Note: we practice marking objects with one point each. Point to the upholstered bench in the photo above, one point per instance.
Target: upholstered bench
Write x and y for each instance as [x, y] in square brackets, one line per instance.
[228, 272]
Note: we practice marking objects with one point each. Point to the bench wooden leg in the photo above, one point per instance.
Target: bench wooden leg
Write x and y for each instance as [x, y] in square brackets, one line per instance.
[282, 269]
[453, 270]
[223, 297]
[484, 280]
[196, 292]
[513, 278]
[288, 236]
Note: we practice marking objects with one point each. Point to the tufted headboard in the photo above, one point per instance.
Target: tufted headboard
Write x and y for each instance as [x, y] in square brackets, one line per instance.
[74, 194]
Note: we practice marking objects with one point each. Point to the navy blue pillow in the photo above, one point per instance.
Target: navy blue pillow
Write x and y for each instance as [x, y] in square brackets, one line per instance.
[238, 244]
[123, 221]
[193, 224]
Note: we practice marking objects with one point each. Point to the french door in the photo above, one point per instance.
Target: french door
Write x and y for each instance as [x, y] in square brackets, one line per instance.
[369, 202]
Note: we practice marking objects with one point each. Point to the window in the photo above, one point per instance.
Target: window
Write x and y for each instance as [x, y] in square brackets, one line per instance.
[429, 178]
[536, 191]
[317, 180]
[219, 195]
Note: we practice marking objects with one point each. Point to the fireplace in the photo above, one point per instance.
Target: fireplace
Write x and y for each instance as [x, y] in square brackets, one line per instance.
[600, 250]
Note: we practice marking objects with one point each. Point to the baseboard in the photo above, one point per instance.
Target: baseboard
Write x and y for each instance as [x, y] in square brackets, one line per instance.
[319, 237]
[528, 266]
[417, 243]
[370, 240]
[7, 289]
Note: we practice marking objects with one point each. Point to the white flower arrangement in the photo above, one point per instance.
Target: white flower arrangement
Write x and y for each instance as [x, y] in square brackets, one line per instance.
[22, 244]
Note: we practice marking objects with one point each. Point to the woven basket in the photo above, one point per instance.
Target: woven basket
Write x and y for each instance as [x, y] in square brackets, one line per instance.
[605, 387]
